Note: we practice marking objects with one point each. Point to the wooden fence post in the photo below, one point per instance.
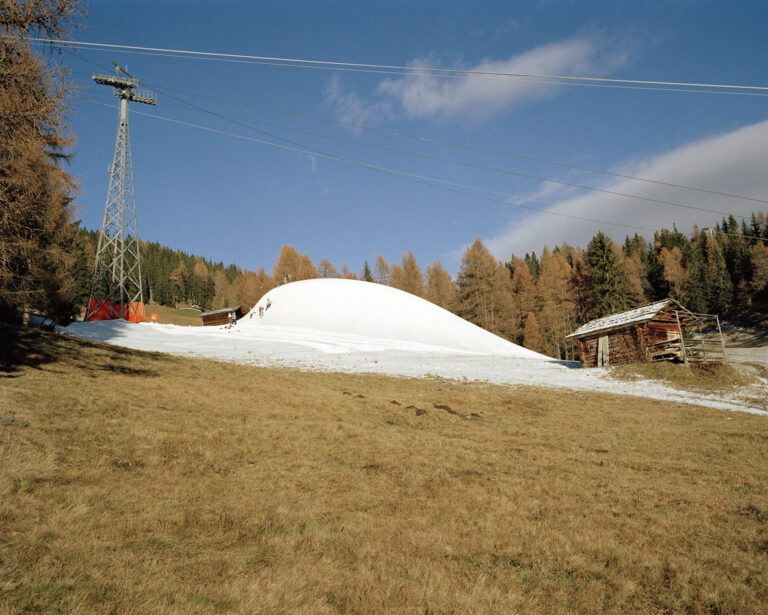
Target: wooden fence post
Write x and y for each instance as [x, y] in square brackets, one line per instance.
[682, 341]
[720, 331]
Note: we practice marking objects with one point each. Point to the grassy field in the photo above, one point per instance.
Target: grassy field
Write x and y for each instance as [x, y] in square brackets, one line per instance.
[701, 378]
[169, 315]
[140, 483]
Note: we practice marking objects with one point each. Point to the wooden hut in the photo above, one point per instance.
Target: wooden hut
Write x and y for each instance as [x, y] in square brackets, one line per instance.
[222, 316]
[661, 331]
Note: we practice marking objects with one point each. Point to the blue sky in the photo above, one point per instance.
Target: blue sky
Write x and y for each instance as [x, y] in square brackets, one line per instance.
[239, 201]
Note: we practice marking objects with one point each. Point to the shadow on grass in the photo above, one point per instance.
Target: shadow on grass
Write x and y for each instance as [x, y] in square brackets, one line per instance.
[22, 348]
[750, 341]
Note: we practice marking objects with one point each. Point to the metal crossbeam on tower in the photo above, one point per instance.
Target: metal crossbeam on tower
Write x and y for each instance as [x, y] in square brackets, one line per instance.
[116, 290]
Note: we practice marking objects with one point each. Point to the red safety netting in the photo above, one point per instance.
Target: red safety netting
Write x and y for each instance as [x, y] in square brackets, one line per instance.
[104, 310]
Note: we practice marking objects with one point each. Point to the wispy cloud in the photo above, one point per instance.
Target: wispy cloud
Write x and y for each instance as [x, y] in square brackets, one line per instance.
[476, 98]
[351, 108]
[733, 163]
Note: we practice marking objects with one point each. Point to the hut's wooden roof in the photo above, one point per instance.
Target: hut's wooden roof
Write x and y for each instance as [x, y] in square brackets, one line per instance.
[624, 319]
[221, 311]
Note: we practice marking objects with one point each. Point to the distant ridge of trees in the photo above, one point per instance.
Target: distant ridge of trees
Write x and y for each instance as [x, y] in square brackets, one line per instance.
[531, 300]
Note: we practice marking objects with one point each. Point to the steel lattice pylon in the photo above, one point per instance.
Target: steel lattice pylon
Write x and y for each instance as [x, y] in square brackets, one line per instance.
[116, 290]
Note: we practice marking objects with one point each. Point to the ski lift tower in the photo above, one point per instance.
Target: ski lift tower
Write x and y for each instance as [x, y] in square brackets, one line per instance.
[116, 284]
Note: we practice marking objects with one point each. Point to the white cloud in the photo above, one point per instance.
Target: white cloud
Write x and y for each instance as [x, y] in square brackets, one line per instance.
[731, 163]
[476, 97]
[353, 109]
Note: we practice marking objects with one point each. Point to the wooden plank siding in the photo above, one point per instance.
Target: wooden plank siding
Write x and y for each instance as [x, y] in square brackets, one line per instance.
[633, 343]
[221, 317]
[653, 332]
[624, 346]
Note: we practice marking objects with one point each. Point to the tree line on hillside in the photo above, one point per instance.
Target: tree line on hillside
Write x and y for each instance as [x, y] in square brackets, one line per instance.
[534, 300]
[723, 271]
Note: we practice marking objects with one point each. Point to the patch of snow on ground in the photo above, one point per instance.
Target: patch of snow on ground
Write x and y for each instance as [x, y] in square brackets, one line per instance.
[348, 326]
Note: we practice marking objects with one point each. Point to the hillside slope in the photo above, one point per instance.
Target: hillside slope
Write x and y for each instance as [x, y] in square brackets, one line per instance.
[143, 483]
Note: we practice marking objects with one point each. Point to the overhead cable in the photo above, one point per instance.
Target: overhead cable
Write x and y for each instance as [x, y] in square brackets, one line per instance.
[239, 120]
[390, 171]
[442, 142]
[456, 162]
[416, 70]
[460, 146]
[403, 174]
[425, 74]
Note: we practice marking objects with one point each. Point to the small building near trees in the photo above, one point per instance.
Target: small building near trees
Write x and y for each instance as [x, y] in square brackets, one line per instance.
[660, 331]
[224, 316]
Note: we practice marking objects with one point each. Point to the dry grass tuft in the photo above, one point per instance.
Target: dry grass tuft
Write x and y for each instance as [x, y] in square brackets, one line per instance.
[695, 377]
[144, 483]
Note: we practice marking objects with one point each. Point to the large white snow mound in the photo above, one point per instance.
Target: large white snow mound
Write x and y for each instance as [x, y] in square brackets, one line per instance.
[352, 307]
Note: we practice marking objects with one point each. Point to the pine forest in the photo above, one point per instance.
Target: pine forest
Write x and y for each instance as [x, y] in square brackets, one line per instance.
[533, 300]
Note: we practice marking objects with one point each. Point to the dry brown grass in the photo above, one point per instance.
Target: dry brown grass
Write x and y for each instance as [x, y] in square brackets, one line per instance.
[169, 315]
[151, 484]
[706, 377]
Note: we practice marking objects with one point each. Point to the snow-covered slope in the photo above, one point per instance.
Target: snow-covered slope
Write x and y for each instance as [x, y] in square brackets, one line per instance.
[349, 326]
[351, 307]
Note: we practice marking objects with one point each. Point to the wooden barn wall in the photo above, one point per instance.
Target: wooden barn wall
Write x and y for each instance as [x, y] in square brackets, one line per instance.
[222, 318]
[216, 319]
[656, 331]
[631, 343]
[624, 346]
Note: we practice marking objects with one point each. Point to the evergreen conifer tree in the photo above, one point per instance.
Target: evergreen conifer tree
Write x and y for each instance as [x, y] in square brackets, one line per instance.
[523, 292]
[758, 284]
[606, 278]
[366, 274]
[720, 288]
[533, 264]
[658, 286]
[696, 294]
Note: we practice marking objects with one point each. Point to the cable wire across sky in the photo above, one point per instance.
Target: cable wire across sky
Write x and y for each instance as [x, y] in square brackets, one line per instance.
[422, 71]
[239, 120]
[424, 139]
[414, 176]
[470, 189]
